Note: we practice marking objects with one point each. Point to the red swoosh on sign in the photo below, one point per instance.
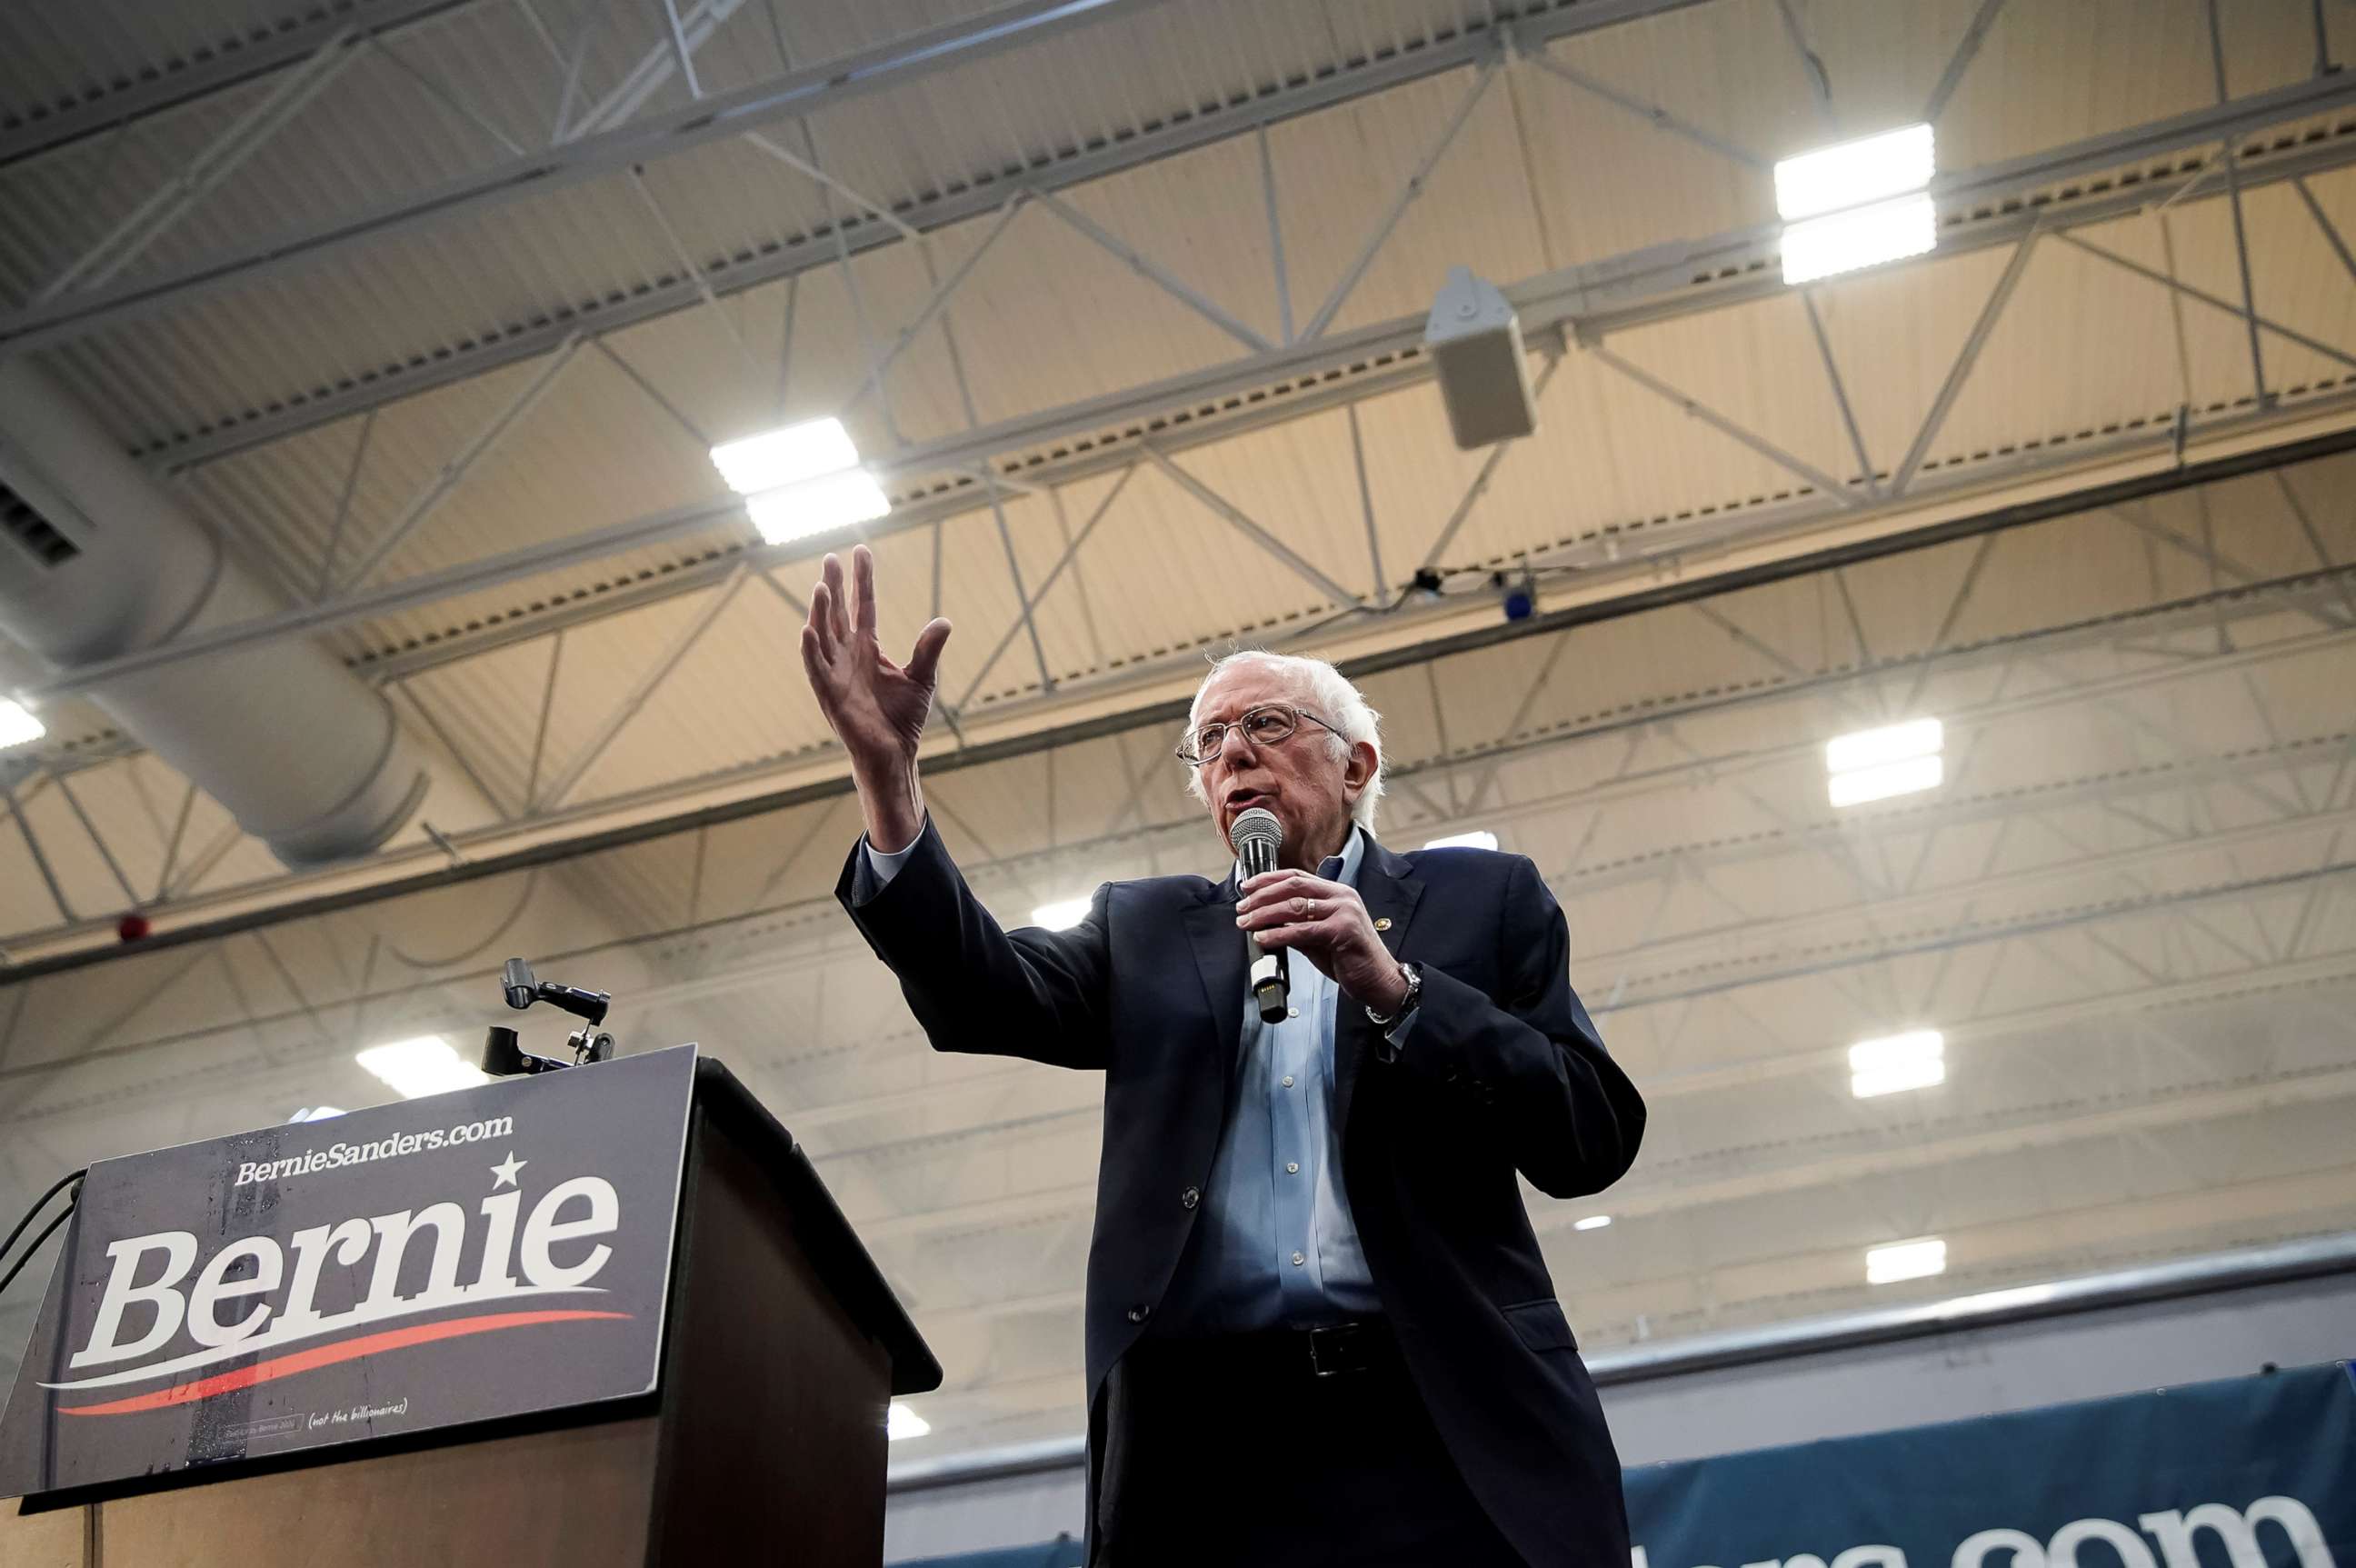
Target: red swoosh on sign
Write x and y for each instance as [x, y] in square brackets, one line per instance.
[325, 1356]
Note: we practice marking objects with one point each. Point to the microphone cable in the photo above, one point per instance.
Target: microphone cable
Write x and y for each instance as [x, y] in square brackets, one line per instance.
[72, 1178]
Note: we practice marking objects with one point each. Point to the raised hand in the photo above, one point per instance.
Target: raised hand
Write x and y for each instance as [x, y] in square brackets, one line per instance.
[875, 707]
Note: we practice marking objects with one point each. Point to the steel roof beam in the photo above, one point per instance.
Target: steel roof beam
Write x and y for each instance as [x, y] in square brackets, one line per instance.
[213, 70]
[811, 90]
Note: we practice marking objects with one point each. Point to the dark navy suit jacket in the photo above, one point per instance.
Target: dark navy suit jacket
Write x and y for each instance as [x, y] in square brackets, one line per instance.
[1503, 1072]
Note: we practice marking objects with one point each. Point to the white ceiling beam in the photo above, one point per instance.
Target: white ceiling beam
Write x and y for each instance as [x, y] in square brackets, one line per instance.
[212, 69]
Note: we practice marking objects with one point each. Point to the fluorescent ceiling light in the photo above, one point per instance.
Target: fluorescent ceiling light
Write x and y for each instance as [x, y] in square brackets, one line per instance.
[16, 725]
[777, 458]
[904, 1422]
[1865, 237]
[1894, 759]
[1916, 773]
[1891, 742]
[420, 1066]
[1850, 174]
[1916, 1059]
[818, 506]
[1592, 1222]
[314, 1113]
[1061, 916]
[1905, 1261]
[1464, 840]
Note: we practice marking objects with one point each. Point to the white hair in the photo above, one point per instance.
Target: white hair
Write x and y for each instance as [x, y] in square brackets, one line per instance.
[1328, 691]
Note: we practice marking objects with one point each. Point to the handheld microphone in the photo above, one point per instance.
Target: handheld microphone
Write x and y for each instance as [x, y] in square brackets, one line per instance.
[1256, 837]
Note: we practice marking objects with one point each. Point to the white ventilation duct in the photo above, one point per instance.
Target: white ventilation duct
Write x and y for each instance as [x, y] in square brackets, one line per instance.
[100, 560]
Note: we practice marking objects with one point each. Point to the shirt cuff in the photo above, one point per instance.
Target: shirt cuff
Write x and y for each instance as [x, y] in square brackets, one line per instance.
[1397, 1033]
[882, 867]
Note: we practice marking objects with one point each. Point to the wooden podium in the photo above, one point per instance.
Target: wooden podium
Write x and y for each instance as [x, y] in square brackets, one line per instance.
[764, 1442]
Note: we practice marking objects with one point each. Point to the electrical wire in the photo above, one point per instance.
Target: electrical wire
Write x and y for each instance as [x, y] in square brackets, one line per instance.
[31, 1253]
[69, 1179]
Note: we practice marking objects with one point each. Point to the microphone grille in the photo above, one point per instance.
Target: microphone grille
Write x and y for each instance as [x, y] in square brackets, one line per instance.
[1257, 826]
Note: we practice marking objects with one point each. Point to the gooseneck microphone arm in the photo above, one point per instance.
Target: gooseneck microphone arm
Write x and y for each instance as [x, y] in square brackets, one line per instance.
[1256, 837]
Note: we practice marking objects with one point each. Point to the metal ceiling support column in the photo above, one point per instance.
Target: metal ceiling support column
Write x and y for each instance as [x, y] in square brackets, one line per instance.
[455, 471]
[934, 305]
[1824, 483]
[1489, 465]
[539, 726]
[1399, 203]
[858, 198]
[1812, 67]
[2214, 302]
[172, 844]
[33, 844]
[581, 37]
[1154, 272]
[2330, 230]
[1840, 395]
[457, 755]
[684, 54]
[148, 223]
[1275, 236]
[1380, 589]
[1965, 359]
[1967, 49]
[636, 698]
[695, 432]
[98, 841]
[1242, 524]
[1651, 113]
[238, 60]
[1979, 207]
[449, 100]
[343, 509]
[1071, 552]
[2241, 235]
[694, 270]
[655, 68]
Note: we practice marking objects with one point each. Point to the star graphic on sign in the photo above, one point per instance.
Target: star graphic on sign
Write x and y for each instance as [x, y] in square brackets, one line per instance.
[506, 1172]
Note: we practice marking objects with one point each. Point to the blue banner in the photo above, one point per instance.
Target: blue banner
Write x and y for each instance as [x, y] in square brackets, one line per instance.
[2247, 1473]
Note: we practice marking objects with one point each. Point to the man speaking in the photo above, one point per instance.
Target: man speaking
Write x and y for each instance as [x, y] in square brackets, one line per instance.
[1319, 1326]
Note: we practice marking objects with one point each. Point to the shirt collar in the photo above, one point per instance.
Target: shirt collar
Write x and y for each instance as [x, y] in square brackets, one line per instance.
[1343, 868]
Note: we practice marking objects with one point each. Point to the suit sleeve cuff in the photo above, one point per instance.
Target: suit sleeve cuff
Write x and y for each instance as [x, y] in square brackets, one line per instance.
[875, 869]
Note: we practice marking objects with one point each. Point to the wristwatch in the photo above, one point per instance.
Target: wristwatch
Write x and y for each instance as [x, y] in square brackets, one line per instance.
[1414, 975]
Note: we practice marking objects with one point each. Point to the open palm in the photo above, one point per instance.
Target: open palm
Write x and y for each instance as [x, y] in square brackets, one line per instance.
[877, 708]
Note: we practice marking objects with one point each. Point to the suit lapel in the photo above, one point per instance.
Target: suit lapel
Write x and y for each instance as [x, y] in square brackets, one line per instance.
[1390, 889]
[1219, 959]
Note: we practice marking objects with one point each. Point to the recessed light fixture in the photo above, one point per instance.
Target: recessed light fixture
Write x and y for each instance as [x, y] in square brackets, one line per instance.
[818, 506]
[1877, 764]
[1061, 915]
[777, 458]
[1464, 840]
[904, 1422]
[1856, 204]
[1915, 1059]
[1592, 1222]
[423, 1066]
[1905, 1261]
[18, 725]
[801, 480]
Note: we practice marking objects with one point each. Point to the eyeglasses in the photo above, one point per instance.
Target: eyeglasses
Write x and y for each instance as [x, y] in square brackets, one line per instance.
[1263, 726]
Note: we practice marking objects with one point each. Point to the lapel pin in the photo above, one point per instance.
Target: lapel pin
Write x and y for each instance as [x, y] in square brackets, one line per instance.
[1382, 922]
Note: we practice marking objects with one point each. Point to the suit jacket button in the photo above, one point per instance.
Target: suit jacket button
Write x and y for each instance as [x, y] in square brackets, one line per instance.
[1191, 1196]
[1140, 1313]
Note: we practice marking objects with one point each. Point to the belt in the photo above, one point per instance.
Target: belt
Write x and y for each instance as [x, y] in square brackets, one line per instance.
[1337, 1350]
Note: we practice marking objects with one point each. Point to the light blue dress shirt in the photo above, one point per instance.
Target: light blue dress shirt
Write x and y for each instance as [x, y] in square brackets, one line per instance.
[1274, 1245]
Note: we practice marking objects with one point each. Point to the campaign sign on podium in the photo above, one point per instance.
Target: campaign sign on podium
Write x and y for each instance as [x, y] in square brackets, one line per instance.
[490, 1252]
